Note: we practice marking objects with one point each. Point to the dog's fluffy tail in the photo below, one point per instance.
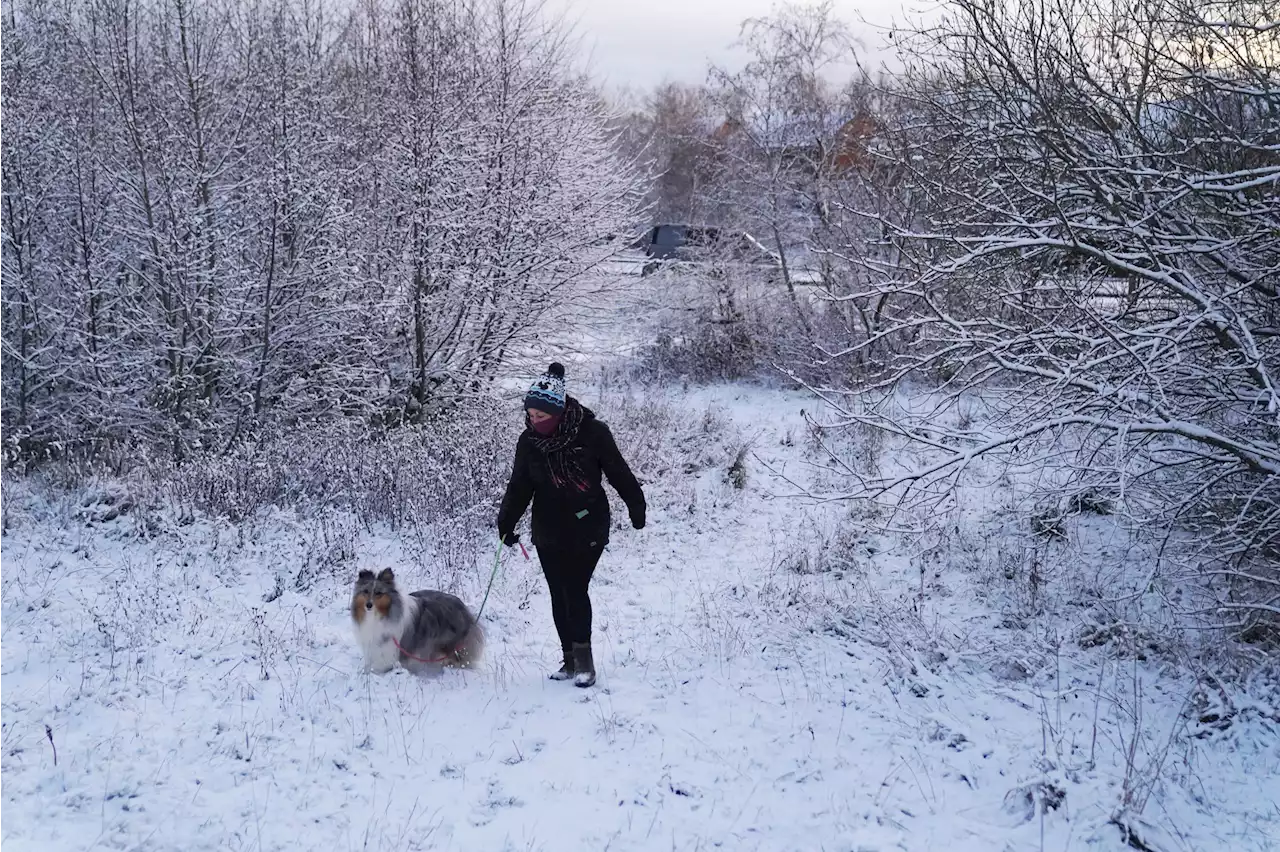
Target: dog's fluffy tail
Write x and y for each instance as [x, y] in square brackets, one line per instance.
[470, 650]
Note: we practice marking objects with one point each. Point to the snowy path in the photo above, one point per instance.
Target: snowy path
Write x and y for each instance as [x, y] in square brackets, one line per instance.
[725, 717]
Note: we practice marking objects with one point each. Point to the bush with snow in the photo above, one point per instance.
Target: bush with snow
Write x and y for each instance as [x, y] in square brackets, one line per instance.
[1095, 274]
[233, 215]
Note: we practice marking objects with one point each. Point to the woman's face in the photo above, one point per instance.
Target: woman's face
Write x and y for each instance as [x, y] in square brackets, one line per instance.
[536, 416]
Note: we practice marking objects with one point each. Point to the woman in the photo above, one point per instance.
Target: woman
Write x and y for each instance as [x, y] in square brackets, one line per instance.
[560, 458]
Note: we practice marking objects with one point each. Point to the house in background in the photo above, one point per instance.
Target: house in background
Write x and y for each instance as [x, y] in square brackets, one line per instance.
[831, 147]
[836, 146]
[714, 249]
[682, 245]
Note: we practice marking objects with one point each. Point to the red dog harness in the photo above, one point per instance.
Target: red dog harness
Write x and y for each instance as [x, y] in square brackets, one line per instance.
[450, 653]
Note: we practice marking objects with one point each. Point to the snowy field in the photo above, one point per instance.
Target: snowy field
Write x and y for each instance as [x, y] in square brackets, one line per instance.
[769, 680]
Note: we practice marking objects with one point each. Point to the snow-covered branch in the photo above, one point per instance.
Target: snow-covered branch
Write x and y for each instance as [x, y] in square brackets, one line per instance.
[1093, 257]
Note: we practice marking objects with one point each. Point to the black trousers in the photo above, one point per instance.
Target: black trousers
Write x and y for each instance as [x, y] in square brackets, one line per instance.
[568, 571]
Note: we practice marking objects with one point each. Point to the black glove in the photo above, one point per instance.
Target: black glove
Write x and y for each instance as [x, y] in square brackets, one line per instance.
[510, 539]
[637, 520]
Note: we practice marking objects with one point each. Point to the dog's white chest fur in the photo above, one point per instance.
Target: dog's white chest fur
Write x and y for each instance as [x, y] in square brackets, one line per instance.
[374, 634]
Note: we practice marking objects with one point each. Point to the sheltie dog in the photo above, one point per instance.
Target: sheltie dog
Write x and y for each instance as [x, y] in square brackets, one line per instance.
[418, 630]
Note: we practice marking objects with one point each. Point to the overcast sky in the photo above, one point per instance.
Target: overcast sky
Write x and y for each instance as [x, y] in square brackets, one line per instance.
[640, 43]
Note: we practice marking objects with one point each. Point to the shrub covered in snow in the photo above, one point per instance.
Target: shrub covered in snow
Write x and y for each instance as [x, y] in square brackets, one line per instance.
[452, 465]
[763, 336]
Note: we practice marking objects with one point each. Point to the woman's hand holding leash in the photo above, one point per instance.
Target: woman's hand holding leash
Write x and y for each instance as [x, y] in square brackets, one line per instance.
[511, 539]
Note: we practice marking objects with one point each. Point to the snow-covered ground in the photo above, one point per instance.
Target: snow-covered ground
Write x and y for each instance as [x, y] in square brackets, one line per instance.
[768, 681]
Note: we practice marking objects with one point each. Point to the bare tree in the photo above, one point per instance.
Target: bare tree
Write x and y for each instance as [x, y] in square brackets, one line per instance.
[1098, 265]
[684, 122]
[783, 120]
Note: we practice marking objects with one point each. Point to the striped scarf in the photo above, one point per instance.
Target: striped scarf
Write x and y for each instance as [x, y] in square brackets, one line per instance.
[558, 447]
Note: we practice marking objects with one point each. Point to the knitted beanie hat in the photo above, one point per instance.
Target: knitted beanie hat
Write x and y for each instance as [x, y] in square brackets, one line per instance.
[547, 393]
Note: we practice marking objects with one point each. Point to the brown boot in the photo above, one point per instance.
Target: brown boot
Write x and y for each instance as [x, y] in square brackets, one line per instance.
[567, 670]
[583, 667]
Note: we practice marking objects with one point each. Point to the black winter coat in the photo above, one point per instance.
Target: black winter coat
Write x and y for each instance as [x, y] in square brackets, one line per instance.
[567, 517]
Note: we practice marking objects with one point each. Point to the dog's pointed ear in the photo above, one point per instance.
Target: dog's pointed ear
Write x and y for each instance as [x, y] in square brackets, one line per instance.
[364, 575]
[385, 576]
